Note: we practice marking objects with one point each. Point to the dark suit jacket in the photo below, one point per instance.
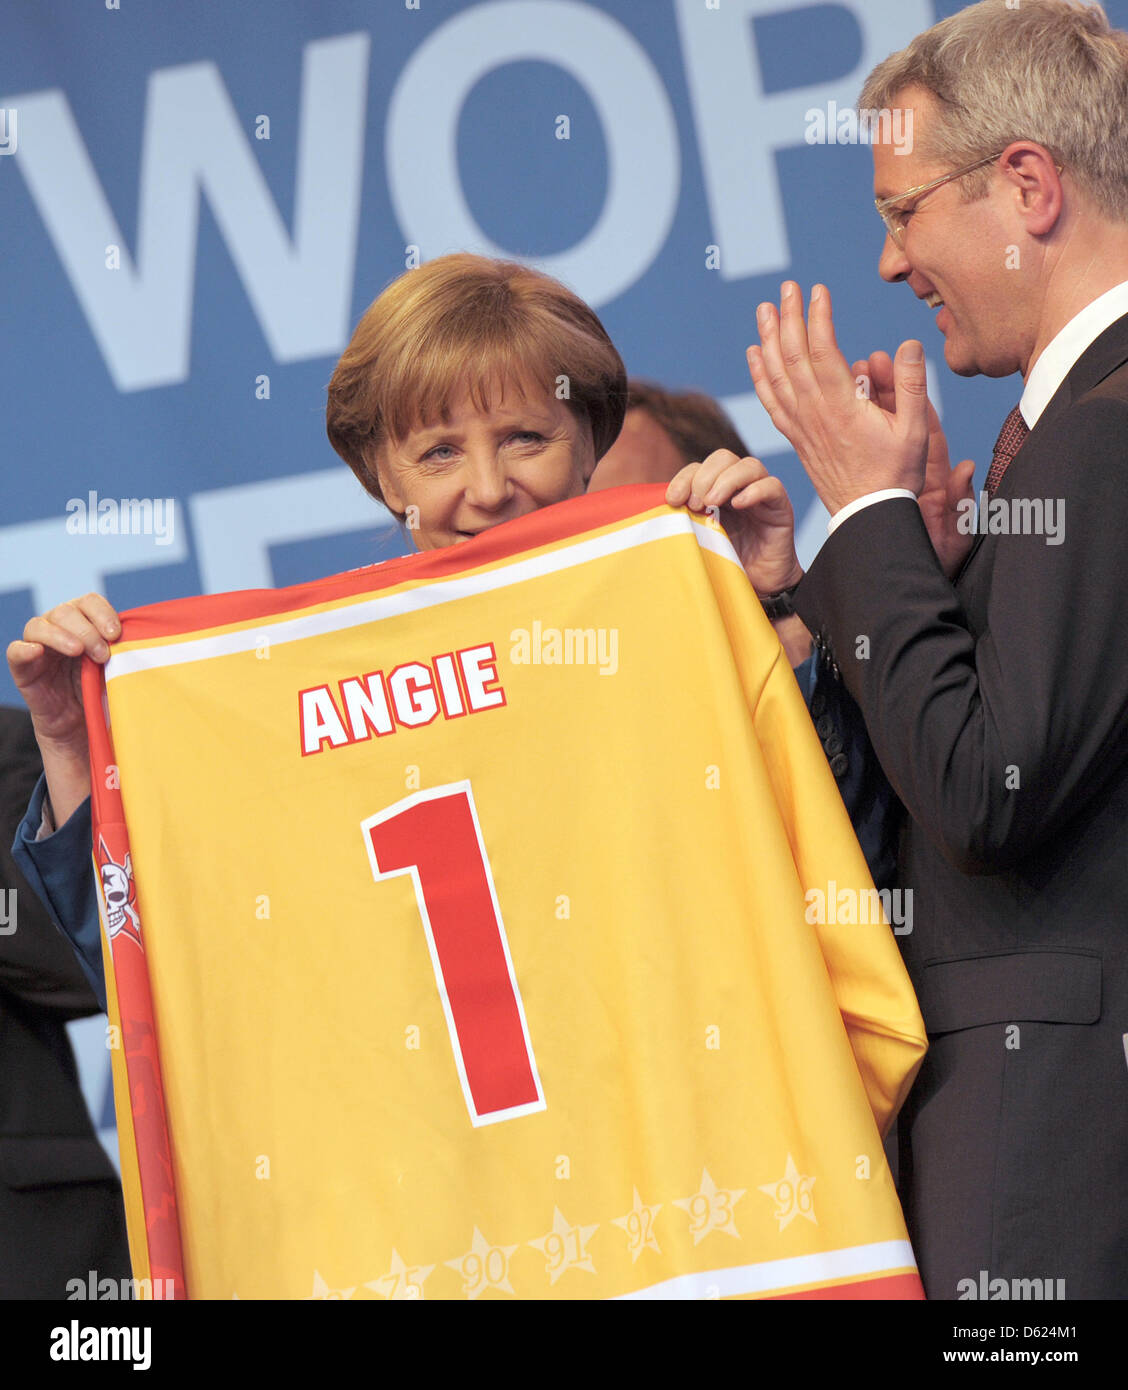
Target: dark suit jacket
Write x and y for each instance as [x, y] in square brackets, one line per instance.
[999, 711]
[60, 1201]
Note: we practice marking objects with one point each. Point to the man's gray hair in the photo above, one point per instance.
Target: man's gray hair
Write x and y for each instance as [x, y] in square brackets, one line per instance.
[1048, 71]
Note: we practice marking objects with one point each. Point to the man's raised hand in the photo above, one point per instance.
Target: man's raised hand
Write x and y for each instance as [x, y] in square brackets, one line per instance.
[945, 486]
[847, 443]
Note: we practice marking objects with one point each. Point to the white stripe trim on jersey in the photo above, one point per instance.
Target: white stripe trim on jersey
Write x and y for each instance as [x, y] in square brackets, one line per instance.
[888, 1257]
[426, 595]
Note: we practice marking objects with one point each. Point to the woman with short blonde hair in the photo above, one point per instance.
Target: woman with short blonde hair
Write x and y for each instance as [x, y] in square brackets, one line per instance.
[463, 323]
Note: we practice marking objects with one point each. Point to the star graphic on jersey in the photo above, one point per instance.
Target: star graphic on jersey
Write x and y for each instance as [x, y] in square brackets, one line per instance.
[484, 1266]
[710, 1208]
[792, 1195]
[563, 1246]
[402, 1280]
[322, 1290]
[639, 1226]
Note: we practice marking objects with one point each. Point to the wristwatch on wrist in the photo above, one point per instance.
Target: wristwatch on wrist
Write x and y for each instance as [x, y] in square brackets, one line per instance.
[778, 606]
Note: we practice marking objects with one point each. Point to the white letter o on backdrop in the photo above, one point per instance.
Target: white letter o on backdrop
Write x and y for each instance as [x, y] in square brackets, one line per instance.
[643, 155]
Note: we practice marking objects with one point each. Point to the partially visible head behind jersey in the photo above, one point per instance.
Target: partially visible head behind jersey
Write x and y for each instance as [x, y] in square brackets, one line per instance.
[474, 391]
[663, 431]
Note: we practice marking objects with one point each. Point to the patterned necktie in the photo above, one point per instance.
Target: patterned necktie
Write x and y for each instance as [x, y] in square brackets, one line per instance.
[1011, 438]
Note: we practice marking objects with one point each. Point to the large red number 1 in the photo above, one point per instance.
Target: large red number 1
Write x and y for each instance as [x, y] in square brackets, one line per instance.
[434, 837]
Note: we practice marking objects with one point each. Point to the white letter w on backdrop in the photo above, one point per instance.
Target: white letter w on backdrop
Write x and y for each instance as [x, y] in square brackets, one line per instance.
[193, 143]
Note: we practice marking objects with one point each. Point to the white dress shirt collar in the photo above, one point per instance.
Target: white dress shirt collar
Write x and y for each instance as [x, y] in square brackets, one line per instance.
[1064, 350]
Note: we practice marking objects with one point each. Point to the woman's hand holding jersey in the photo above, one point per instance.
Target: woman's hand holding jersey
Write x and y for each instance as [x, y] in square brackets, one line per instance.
[756, 513]
[46, 666]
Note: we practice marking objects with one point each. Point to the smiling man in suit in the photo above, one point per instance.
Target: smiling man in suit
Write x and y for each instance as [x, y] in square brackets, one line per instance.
[995, 692]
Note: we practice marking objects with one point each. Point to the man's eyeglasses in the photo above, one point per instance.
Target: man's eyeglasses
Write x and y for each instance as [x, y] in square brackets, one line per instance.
[894, 216]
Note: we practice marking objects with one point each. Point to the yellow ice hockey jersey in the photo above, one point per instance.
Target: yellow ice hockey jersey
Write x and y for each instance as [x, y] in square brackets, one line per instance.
[457, 916]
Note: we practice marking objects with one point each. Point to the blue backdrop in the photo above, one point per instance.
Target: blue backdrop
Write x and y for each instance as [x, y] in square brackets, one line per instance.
[198, 201]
